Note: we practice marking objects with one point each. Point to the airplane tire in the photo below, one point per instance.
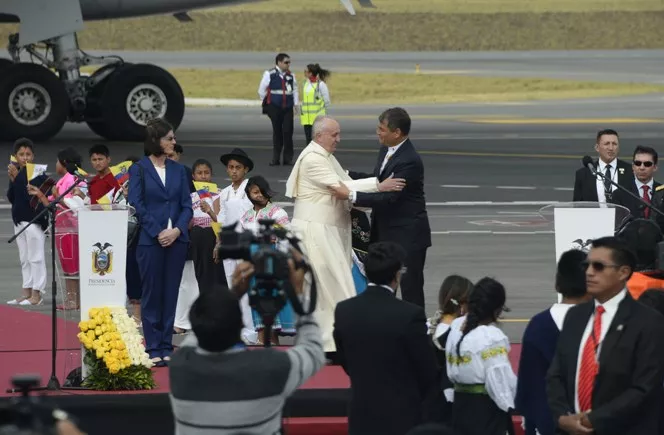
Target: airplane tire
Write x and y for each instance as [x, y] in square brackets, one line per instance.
[33, 103]
[93, 100]
[137, 93]
[5, 63]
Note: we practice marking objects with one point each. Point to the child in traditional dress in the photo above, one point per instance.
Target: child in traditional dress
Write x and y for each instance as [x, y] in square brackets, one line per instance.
[31, 242]
[66, 226]
[452, 303]
[478, 365]
[259, 193]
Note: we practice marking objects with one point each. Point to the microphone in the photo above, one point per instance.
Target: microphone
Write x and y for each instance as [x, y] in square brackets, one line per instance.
[587, 161]
[75, 171]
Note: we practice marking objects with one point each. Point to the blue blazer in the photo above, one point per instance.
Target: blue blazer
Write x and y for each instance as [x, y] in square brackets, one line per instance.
[159, 203]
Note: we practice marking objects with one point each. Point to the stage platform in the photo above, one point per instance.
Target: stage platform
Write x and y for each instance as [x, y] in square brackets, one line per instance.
[318, 407]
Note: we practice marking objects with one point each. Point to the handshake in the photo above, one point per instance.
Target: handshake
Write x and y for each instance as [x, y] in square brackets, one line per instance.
[390, 184]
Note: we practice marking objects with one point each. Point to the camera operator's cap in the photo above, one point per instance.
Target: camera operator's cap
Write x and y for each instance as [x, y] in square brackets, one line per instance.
[239, 155]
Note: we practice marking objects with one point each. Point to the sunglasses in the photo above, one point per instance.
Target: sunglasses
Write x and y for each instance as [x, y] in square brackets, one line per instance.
[597, 265]
[646, 164]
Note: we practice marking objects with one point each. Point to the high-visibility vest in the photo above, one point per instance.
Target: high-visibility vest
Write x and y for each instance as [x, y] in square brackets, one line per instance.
[313, 104]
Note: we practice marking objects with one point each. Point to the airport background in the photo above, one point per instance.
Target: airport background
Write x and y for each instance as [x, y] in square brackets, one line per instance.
[505, 95]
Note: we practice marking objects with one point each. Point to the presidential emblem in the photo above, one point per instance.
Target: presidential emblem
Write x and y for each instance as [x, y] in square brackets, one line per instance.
[582, 245]
[102, 258]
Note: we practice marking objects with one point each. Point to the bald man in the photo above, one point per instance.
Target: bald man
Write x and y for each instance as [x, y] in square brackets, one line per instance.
[323, 222]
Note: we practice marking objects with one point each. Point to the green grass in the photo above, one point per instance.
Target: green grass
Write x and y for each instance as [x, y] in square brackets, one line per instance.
[353, 88]
[449, 6]
[394, 25]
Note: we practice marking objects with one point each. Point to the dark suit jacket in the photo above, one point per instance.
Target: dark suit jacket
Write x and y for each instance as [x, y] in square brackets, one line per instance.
[635, 207]
[383, 346]
[399, 217]
[190, 177]
[159, 203]
[627, 394]
[585, 183]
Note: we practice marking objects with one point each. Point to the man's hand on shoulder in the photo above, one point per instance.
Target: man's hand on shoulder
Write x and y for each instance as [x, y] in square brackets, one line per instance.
[391, 184]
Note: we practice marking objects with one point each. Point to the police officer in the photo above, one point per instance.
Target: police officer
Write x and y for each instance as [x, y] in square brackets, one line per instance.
[278, 90]
[315, 97]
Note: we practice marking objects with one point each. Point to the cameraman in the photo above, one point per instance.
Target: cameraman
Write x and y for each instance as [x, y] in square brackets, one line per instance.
[219, 387]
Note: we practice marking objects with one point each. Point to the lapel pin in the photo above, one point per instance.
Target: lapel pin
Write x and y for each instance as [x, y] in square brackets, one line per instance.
[620, 327]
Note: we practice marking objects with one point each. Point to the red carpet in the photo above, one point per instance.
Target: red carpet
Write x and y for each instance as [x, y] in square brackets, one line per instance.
[26, 348]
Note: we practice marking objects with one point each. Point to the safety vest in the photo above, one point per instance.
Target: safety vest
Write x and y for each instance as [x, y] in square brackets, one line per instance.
[313, 104]
[280, 90]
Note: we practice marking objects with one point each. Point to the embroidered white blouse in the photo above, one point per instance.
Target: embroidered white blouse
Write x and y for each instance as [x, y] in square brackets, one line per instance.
[483, 360]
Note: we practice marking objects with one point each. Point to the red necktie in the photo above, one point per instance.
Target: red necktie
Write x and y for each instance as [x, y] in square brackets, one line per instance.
[589, 364]
[646, 198]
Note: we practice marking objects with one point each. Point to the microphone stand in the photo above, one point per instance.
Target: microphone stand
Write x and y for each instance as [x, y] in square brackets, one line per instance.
[53, 383]
[623, 189]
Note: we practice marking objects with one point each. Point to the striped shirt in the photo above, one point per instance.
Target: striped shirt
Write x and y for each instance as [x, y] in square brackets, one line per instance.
[238, 391]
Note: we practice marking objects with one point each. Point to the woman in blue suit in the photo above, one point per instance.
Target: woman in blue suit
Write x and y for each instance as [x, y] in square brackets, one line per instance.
[159, 191]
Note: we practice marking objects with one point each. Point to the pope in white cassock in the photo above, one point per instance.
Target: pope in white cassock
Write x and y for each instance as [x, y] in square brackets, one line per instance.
[323, 222]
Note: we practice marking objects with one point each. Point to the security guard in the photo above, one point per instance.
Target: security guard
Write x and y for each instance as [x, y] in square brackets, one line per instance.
[278, 90]
[315, 97]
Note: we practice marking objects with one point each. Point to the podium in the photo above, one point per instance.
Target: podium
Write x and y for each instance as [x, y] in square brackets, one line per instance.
[92, 242]
[576, 224]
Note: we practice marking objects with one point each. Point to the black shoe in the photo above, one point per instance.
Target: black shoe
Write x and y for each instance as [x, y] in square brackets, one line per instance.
[274, 163]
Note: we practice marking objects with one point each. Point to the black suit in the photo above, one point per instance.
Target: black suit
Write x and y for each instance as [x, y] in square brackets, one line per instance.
[383, 346]
[401, 217]
[626, 396]
[636, 208]
[585, 183]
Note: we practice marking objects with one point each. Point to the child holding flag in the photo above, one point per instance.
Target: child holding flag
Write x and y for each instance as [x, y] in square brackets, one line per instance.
[103, 186]
[31, 243]
[66, 238]
[206, 205]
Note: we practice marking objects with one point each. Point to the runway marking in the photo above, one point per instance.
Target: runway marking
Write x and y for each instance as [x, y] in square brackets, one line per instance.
[422, 152]
[567, 189]
[459, 186]
[517, 187]
[551, 121]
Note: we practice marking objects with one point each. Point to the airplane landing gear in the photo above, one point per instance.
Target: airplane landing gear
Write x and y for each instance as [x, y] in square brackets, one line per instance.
[116, 101]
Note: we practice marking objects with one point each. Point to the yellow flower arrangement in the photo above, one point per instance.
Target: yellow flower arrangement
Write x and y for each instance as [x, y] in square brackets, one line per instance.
[114, 346]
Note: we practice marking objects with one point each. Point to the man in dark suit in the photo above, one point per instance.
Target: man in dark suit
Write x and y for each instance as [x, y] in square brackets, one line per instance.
[607, 373]
[401, 216]
[383, 346]
[590, 188]
[644, 165]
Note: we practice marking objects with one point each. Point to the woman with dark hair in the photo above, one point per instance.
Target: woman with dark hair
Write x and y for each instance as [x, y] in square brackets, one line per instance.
[159, 191]
[452, 303]
[259, 193]
[315, 97]
[478, 365]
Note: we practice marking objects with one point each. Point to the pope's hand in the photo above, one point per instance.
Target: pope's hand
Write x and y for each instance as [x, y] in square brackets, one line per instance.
[392, 184]
[340, 191]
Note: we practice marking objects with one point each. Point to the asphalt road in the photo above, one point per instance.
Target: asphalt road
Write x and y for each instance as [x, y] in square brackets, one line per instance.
[602, 65]
[643, 66]
[489, 169]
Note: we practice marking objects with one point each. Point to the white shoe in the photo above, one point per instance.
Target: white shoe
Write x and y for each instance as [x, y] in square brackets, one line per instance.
[13, 302]
[27, 302]
[249, 337]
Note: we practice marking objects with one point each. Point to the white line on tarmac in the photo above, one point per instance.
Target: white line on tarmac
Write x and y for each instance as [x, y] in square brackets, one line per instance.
[517, 187]
[492, 233]
[459, 186]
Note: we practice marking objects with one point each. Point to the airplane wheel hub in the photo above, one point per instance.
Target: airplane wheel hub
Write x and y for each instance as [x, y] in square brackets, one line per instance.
[29, 104]
[146, 102]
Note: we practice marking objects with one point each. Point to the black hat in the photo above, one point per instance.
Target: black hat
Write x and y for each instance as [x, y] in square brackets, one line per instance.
[263, 185]
[240, 156]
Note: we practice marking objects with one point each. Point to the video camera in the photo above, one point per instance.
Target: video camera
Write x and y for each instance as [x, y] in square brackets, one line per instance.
[268, 250]
[25, 415]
